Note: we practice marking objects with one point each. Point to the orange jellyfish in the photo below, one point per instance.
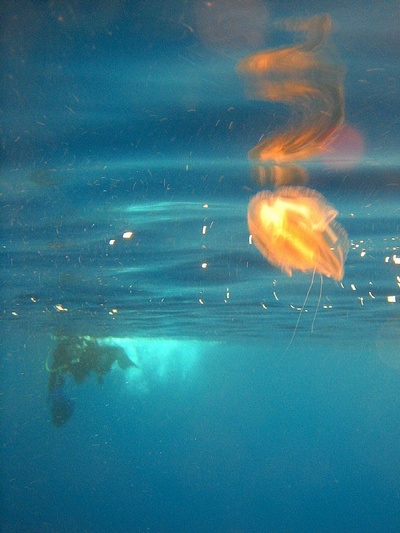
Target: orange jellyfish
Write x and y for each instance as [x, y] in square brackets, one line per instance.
[295, 229]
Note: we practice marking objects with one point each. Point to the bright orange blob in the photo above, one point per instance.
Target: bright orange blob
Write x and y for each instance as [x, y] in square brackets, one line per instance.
[295, 229]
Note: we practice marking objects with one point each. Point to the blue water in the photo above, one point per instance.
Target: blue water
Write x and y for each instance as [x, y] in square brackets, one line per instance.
[250, 409]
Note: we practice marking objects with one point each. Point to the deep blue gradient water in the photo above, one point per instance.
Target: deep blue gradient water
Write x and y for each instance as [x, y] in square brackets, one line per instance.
[124, 189]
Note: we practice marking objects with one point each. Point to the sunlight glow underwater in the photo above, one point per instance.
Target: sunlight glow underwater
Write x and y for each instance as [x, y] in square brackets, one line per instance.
[158, 360]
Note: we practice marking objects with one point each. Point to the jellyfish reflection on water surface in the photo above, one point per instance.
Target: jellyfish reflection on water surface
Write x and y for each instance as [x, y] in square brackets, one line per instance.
[307, 79]
[295, 229]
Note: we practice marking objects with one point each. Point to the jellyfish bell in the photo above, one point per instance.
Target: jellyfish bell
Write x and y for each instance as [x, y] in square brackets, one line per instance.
[295, 229]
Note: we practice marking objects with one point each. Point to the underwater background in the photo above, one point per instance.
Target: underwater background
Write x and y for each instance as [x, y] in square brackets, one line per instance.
[124, 187]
